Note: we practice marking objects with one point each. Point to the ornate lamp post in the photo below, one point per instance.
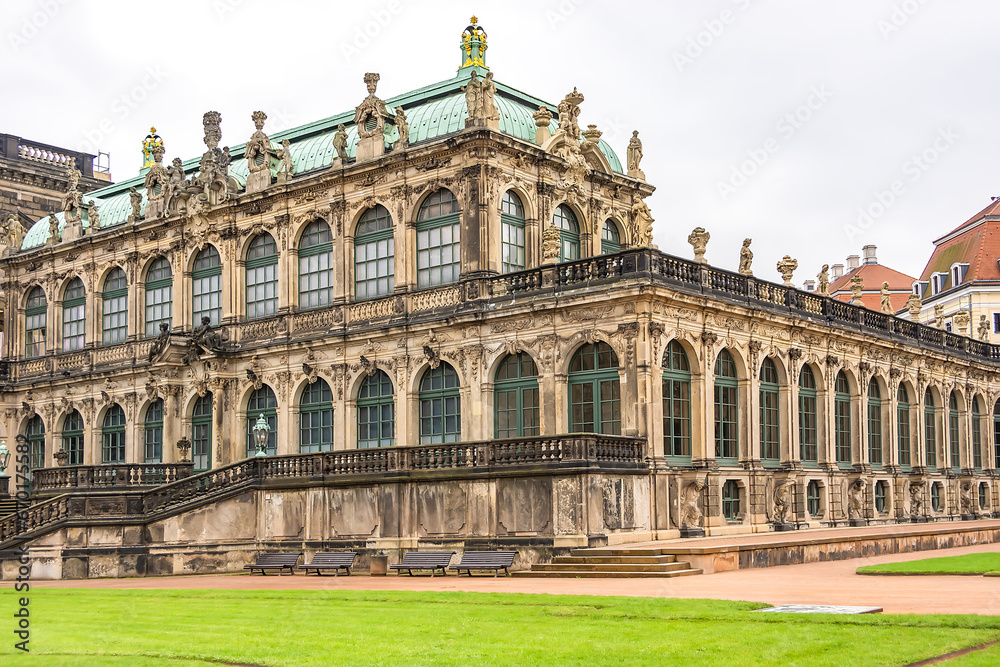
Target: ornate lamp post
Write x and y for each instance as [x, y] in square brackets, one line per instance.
[260, 433]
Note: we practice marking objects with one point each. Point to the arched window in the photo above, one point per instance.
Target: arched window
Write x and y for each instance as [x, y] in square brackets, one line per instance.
[439, 257]
[74, 316]
[770, 430]
[440, 406]
[515, 397]
[113, 435]
[676, 402]
[315, 266]
[930, 430]
[262, 402]
[903, 426]
[262, 277]
[977, 436]
[512, 233]
[594, 392]
[201, 433]
[569, 233]
[808, 433]
[34, 433]
[376, 412]
[881, 495]
[316, 418]
[159, 296]
[731, 500]
[842, 419]
[153, 433]
[874, 424]
[611, 240]
[115, 308]
[34, 324]
[72, 438]
[374, 250]
[813, 498]
[726, 411]
[953, 431]
[206, 287]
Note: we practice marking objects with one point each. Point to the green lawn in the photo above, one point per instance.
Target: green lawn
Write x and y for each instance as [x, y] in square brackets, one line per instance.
[137, 627]
[968, 564]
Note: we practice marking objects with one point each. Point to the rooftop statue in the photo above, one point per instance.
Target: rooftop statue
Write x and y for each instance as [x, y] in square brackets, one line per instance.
[698, 239]
[480, 101]
[258, 155]
[370, 107]
[746, 257]
[93, 216]
[286, 167]
[886, 304]
[824, 281]
[634, 156]
[155, 184]
[403, 127]
[984, 329]
[135, 200]
[54, 235]
[642, 222]
[939, 316]
[914, 305]
[340, 142]
[857, 288]
[13, 231]
[569, 114]
[213, 170]
[785, 267]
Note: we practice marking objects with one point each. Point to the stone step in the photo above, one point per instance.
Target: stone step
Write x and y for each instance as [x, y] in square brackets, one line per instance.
[616, 551]
[603, 574]
[622, 560]
[583, 566]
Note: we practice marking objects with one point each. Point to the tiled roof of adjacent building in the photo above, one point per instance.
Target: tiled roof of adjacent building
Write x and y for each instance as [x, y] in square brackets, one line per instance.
[975, 242]
[873, 275]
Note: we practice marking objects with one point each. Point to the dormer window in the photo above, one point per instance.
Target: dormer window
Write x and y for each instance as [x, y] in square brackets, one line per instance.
[937, 282]
[958, 272]
[919, 287]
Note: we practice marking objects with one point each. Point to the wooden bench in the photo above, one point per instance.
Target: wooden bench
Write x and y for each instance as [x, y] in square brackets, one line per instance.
[335, 561]
[277, 562]
[425, 560]
[485, 560]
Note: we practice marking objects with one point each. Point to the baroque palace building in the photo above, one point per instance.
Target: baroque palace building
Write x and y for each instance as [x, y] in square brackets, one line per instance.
[447, 308]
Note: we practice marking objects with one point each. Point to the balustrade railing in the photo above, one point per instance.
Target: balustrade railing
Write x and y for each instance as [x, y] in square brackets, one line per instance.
[131, 475]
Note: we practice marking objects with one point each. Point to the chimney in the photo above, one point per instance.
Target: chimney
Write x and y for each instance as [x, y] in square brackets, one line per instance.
[853, 262]
[836, 271]
[869, 253]
[809, 285]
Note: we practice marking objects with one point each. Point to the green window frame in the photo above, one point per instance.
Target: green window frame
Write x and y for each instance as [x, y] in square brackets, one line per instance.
[113, 435]
[727, 419]
[72, 438]
[881, 495]
[439, 251]
[953, 433]
[440, 406]
[903, 426]
[261, 269]
[159, 296]
[731, 501]
[262, 402]
[315, 266]
[813, 498]
[930, 431]
[842, 420]
[74, 316]
[376, 412]
[153, 433]
[808, 419]
[206, 287]
[770, 422]
[611, 240]
[936, 496]
[34, 434]
[977, 436]
[201, 433]
[569, 233]
[996, 436]
[874, 425]
[316, 418]
[374, 255]
[676, 404]
[35, 315]
[512, 233]
[594, 390]
[114, 308]
[515, 397]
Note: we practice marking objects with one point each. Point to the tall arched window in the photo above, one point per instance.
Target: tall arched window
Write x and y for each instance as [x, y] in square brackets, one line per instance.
[874, 424]
[770, 429]
[374, 255]
[206, 287]
[569, 233]
[515, 397]
[676, 402]
[594, 391]
[903, 426]
[34, 433]
[511, 233]
[74, 316]
[262, 277]
[842, 419]
[953, 445]
[440, 406]
[930, 430]
[201, 433]
[316, 418]
[808, 433]
[977, 435]
[315, 266]
[726, 411]
[262, 402]
[611, 240]
[159, 296]
[72, 438]
[376, 412]
[113, 435]
[34, 323]
[153, 433]
[439, 257]
[114, 298]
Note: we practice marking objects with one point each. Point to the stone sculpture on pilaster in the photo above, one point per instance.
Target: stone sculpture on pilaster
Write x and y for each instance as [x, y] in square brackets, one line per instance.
[403, 128]
[13, 232]
[372, 141]
[54, 235]
[156, 183]
[551, 245]
[286, 168]
[480, 102]
[634, 156]
[914, 306]
[786, 266]
[642, 222]
[340, 145]
[939, 316]
[698, 238]
[962, 320]
[213, 176]
[886, 303]
[857, 288]
[543, 117]
[983, 329]
[689, 511]
[135, 201]
[72, 206]
[823, 277]
[258, 154]
[746, 258]
[569, 114]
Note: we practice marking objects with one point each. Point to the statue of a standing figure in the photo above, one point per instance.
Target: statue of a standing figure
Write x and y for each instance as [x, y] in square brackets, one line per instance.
[690, 511]
[824, 281]
[939, 316]
[856, 500]
[403, 127]
[634, 156]
[698, 238]
[782, 504]
[886, 303]
[857, 288]
[340, 142]
[642, 223]
[984, 328]
[54, 236]
[135, 199]
[746, 257]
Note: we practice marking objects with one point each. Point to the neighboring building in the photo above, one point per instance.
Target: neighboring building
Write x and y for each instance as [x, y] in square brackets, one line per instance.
[463, 339]
[873, 276]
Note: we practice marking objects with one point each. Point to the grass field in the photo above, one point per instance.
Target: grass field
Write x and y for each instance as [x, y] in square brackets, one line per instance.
[968, 564]
[272, 628]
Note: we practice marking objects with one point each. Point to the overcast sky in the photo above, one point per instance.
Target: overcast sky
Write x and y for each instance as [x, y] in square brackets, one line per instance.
[781, 120]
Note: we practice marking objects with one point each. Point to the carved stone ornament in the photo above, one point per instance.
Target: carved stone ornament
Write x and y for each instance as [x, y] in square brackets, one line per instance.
[857, 287]
[480, 101]
[698, 239]
[690, 513]
[785, 267]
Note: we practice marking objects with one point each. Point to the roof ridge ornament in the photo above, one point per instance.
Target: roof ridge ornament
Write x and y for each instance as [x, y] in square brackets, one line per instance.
[474, 45]
[151, 141]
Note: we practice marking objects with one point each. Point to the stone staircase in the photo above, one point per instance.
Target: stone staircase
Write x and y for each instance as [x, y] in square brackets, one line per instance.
[8, 506]
[612, 562]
